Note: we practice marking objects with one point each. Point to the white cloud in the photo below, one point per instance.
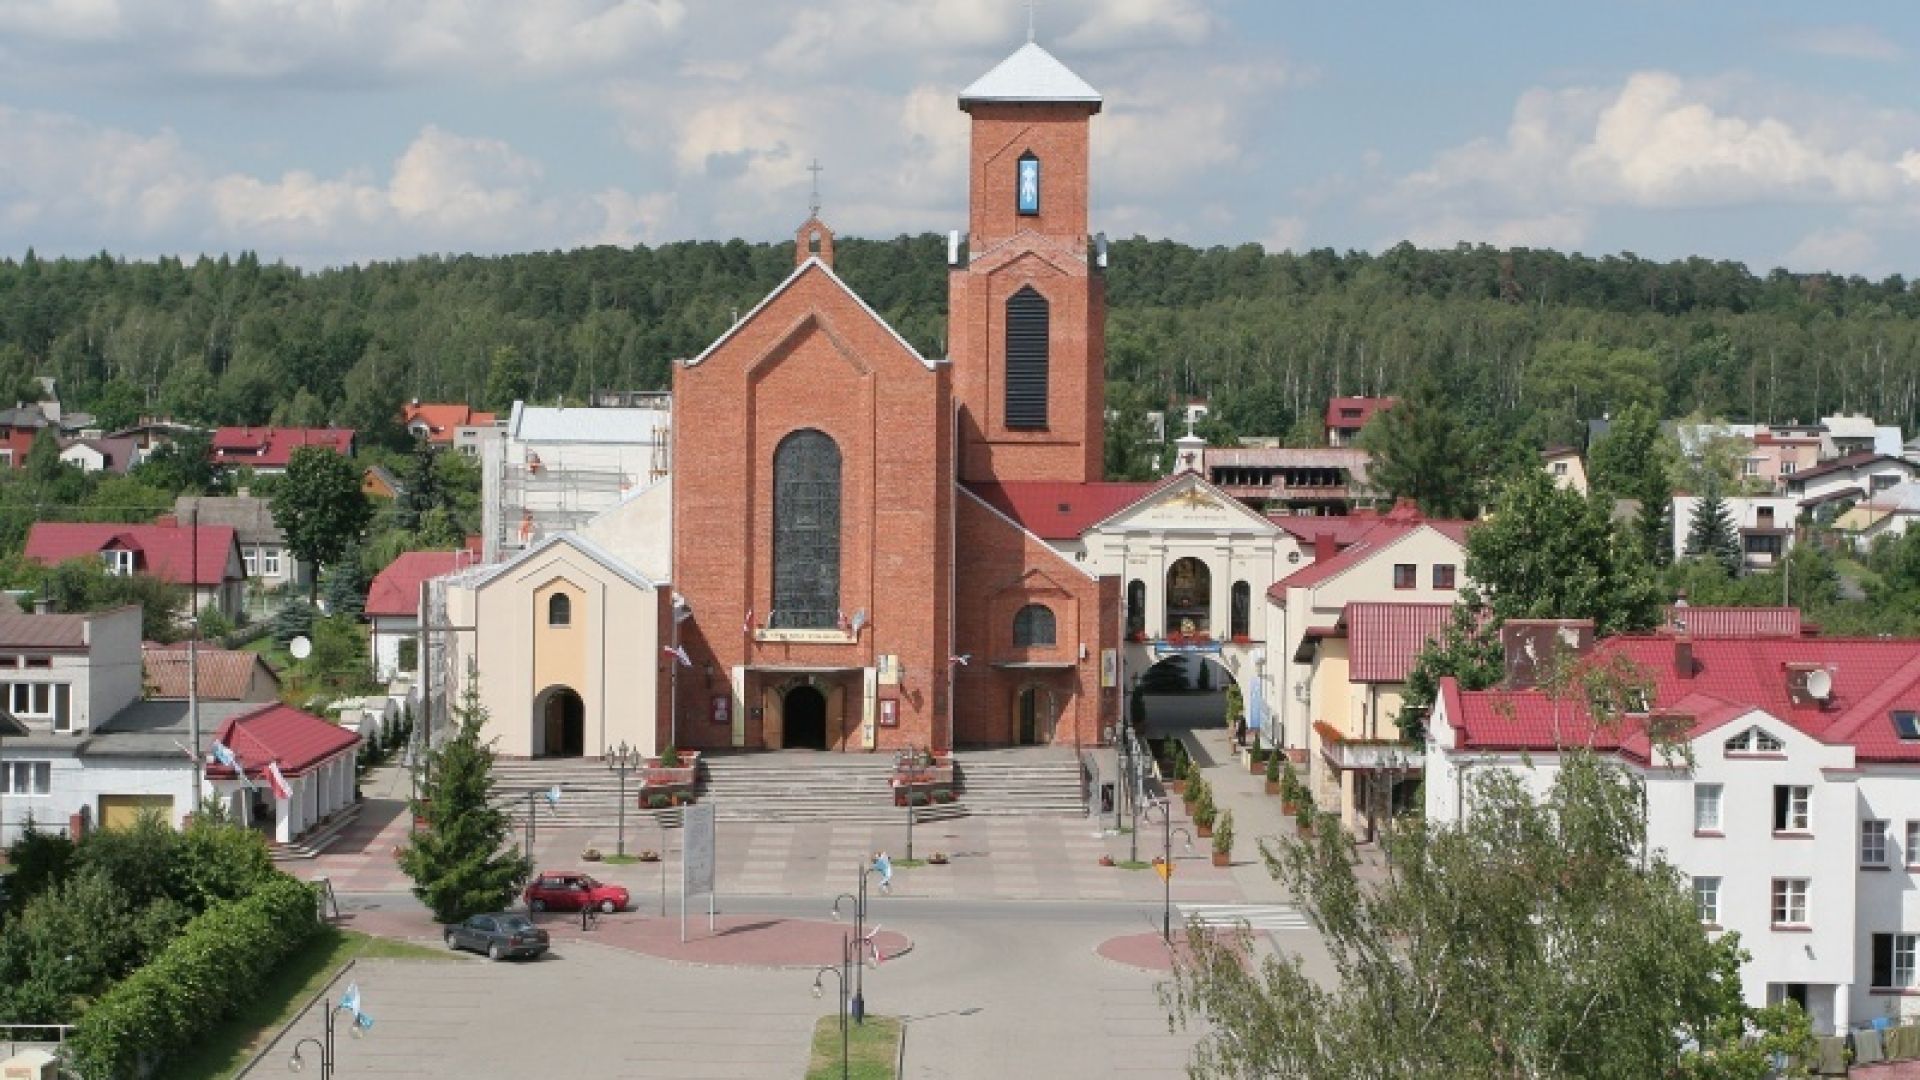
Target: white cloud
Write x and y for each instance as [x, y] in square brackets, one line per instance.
[1853, 42]
[1563, 230]
[1285, 234]
[1843, 248]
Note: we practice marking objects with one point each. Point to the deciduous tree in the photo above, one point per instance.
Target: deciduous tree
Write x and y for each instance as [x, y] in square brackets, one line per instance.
[1551, 553]
[319, 505]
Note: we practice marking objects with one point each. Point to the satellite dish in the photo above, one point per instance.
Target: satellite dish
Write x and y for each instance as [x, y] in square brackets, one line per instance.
[1819, 684]
[300, 647]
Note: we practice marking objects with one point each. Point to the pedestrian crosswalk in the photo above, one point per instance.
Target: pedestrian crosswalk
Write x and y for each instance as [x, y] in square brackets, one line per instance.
[1253, 916]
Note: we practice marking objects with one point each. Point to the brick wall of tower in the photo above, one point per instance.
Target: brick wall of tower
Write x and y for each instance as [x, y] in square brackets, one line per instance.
[1002, 569]
[813, 358]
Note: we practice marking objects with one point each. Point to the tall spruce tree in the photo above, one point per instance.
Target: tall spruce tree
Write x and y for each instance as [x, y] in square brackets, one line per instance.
[461, 863]
[1711, 533]
[1633, 461]
[1421, 451]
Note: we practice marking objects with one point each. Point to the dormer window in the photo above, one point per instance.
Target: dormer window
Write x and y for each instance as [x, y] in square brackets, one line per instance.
[1754, 741]
[1906, 725]
[119, 562]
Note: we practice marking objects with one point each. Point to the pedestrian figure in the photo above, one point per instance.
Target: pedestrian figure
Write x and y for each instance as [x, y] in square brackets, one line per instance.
[884, 867]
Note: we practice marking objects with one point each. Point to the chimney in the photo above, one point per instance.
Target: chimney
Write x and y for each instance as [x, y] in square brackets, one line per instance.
[1324, 547]
[1683, 656]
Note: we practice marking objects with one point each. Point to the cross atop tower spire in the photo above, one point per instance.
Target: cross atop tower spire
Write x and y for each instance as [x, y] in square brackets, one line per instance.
[1030, 6]
[813, 207]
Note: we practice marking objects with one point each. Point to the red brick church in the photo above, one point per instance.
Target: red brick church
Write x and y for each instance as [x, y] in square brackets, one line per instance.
[846, 582]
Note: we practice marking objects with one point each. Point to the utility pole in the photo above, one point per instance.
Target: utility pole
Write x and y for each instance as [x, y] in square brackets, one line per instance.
[193, 658]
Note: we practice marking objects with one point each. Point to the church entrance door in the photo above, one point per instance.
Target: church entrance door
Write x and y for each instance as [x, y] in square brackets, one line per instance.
[1035, 723]
[563, 719]
[804, 719]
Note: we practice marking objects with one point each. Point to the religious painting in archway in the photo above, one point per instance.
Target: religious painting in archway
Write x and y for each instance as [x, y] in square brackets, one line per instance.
[1189, 597]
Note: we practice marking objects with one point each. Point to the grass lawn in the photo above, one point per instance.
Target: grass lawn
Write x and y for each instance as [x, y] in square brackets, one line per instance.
[873, 1049]
[908, 864]
[619, 860]
[221, 1053]
[1133, 864]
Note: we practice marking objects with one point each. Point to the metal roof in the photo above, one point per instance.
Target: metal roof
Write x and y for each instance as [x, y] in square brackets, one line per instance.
[533, 423]
[1034, 75]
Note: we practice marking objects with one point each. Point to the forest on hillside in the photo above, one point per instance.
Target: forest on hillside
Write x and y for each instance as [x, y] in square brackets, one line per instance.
[1528, 343]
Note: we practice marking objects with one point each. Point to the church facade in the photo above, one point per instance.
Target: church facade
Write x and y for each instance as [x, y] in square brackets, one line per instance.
[845, 580]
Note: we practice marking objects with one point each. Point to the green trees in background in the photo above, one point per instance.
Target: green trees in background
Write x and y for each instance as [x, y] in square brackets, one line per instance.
[319, 505]
[1633, 460]
[1423, 451]
[1551, 553]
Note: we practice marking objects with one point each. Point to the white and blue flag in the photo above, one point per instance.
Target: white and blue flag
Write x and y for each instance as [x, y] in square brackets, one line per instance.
[225, 756]
[350, 1003]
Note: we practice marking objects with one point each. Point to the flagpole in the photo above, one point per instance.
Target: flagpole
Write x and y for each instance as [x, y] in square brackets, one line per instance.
[193, 659]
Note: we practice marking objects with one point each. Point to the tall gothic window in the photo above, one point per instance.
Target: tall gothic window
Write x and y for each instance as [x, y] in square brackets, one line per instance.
[806, 532]
[1027, 329]
[1033, 625]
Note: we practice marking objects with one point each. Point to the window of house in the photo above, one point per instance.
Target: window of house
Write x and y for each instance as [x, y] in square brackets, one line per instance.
[806, 532]
[1764, 517]
[1033, 625]
[119, 563]
[31, 700]
[1912, 852]
[1787, 468]
[1028, 330]
[1754, 741]
[9, 661]
[409, 654]
[1906, 724]
[250, 561]
[1405, 576]
[1443, 575]
[26, 777]
[38, 661]
[1873, 843]
[1789, 901]
[1706, 808]
[1026, 185]
[559, 610]
[1559, 468]
[1763, 544]
[1750, 467]
[1893, 961]
[1706, 899]
[1792, 808]
[1242, 613]
[1136, 607]
[270, 561]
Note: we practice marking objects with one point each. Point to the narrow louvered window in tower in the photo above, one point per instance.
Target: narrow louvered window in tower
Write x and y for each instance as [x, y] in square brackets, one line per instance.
[1027, 328]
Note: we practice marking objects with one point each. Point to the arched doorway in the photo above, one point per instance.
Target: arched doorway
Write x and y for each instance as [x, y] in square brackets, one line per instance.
[1189, 597]
[804, 719]
[563, 722]
[1033, 717]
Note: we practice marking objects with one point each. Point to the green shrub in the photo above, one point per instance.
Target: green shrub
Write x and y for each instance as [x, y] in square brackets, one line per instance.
[40, 861]
[1223, 835]
[1273, 767]
[210, 968]
[670, 757]
[659, 800]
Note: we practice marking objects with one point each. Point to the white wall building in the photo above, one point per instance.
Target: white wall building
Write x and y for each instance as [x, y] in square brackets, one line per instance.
[1797, 820]
[1764, 524]
[552, 469]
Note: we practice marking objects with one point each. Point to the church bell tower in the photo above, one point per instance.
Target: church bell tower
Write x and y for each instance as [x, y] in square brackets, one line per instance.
[1027, 303]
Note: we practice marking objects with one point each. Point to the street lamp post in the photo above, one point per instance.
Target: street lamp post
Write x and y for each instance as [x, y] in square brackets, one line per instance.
[622, 760]
[328, 1059]
[859, 902]
[839, 973]
[1166, 859]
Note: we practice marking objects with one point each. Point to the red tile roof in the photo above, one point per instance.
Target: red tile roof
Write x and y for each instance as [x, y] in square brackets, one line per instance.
[1871, 678]
[165, 551]
[1061, 511]
[396, 590]
[1703, 622]
[1344, 529]
[224, 674]
[440, 419]
[297, 740]
[1401, 522]
[274, 446]
[1367, 406]
[19, 630]
[1383, 639]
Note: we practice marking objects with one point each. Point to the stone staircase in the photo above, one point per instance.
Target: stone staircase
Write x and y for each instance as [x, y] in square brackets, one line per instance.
[795, 786]
[1027, 781]
[316, 839]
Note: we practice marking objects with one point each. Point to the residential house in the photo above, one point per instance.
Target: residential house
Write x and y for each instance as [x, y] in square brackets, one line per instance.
[222, 674]
[1347, 415]
[19, 426]
[266, 559]
[1853, 433]
[1790, 798]
[1852, 478]
[316, 758]
[1566, 467]
[1403, 558]
[153, 433]
[114, 455]
[393, 608]
[1764, 524]
[1890, 513]
[1284, 481]
[208, 566]
[266, 450]
[440, 424]
[1358, 765]
[1780, 451]
[553, 469]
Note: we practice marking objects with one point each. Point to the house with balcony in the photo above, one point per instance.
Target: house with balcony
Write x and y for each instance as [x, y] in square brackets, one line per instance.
[1764, 524]
[1853, 478]
[1782, 779]
[1346, 416]
[1285, 482]
[206, 565]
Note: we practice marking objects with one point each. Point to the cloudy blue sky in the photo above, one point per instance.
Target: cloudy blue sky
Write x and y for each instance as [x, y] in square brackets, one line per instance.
[330, 131]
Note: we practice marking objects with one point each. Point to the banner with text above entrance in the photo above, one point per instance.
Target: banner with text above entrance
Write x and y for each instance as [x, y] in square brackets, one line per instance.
[1184, 647]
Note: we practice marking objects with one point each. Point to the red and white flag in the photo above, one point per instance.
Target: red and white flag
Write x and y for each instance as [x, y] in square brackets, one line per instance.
[963, 659]
[746, 625]
[677, 653]
[277, 780]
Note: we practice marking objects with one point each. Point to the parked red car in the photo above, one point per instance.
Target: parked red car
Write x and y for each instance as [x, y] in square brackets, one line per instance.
[567, 890]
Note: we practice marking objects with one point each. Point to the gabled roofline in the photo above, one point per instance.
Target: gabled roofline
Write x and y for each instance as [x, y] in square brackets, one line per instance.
[1167, 485]
[991, 509]
[589, 548]
[812, 261]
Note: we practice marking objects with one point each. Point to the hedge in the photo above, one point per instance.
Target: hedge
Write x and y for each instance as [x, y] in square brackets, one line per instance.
[217, 961]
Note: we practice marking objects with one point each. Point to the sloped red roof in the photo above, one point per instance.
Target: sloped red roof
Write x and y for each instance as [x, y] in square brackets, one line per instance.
[1383, 639]
[165, 551]
[1366, 407]
[1702, 622]
[1061, 511]
[1871, 678]
[297, 740]
[396, 590]
[274, 446]
[441, 418]
[1387, 529]
[224, 674]
[1344, 529]
[1859, 460]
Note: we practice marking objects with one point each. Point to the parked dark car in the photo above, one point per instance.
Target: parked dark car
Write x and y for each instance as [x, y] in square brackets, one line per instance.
[499, 935]
[570, 890]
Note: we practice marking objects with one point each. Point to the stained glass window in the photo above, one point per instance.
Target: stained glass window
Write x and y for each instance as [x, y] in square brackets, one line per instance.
[806, 532]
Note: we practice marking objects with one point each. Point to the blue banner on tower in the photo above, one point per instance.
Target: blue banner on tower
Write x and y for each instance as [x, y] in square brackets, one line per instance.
[1029, 193]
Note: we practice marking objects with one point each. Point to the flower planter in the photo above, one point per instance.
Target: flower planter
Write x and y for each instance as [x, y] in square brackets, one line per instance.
[938, 858]
[1178, 787]
[1203, 831]
[649, 856]
[1273, 787]
[1106, 860]
[1221, 858]
[1256, 764]
[1289, 807]
[590, 855]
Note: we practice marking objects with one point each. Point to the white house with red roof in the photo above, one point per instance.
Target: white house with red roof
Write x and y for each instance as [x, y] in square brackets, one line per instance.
[393, 608]
[1346, 416]
[1795, 809]
[296, 770]
[207, 565]
[266, 450]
